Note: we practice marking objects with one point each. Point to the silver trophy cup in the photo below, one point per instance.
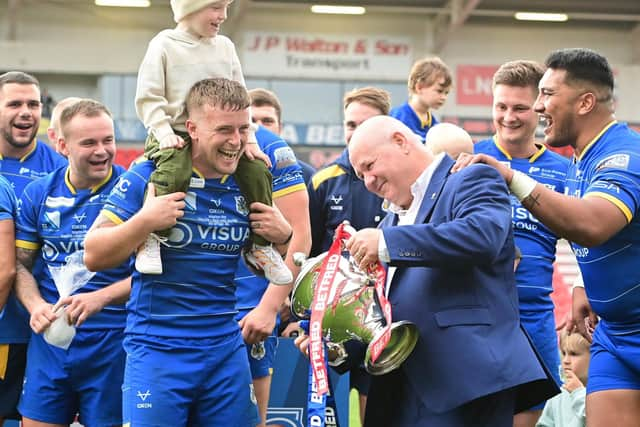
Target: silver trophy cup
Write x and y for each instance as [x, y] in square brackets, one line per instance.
[353, 314]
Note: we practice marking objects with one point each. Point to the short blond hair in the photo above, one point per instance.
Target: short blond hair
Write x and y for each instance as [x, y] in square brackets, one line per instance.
[428, 71]
[219, 92]
[573, 342]
[83, 107]
[374, 97]
[519, 73]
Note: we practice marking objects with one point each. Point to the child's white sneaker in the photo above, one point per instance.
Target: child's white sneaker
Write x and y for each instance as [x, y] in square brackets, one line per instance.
[148, 260]
[267, 259]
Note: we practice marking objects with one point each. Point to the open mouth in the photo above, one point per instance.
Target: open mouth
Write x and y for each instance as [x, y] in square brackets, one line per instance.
[23, 126]
[547, 122]
[228, 154]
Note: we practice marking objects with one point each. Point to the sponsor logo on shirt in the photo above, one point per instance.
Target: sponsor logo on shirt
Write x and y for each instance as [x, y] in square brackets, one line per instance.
[284, 157]
[617, 161]
[57, 202]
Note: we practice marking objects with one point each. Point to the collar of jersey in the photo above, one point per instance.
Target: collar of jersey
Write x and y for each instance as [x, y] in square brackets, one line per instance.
[541, 149]
[23, 158]
[200, 175]
[424, 123]
[595, 139]
[93, 189]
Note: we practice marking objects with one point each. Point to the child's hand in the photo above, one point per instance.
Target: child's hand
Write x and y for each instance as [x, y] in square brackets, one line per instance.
[171, 141]
[571, 382]
[253, 151]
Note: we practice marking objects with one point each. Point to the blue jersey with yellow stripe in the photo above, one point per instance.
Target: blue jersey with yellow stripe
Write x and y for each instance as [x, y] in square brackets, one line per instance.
[287, 178]
[38, 162]
[194, 297]
[535, 240]
[53, 219]
[609, 168]
[409, 117]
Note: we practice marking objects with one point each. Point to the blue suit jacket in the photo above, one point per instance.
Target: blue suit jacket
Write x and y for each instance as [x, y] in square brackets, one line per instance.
[455, 281]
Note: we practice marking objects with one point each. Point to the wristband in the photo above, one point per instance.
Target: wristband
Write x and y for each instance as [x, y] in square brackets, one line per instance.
[521, 185]
[288, 239]
[577, 283]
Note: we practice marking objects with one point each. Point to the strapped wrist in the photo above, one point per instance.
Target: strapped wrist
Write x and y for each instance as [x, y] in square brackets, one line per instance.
[521, 185]
[288, 239]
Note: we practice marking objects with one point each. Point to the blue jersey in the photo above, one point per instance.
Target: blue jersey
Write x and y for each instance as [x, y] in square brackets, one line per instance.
[41, 160]
[8, 205]
[409, 117]
[336, 194]
[287, 179]
[536, 241]
[195, 295]
[609, 168]
[53, 219]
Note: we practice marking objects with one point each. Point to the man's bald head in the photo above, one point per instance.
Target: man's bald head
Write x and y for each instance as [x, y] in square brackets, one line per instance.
[450, 139]
[389, 157]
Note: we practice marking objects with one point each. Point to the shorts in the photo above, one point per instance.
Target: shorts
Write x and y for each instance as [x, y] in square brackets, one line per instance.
[12, 363]
[261, 357]
[173, 382]
[84, 379]
[541, 327]
[615, 361]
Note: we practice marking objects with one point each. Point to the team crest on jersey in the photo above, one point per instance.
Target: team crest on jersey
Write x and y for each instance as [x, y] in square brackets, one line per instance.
[241, 205]
[51, 220]
[617, 161]
[190, 201]
[284, 157]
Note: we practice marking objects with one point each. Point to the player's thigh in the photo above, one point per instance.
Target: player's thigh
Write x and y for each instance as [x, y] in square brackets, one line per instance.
[102, 364]
[227, 397]
[620, 408]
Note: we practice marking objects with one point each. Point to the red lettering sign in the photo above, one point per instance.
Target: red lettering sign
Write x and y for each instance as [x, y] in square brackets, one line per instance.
[473, 84]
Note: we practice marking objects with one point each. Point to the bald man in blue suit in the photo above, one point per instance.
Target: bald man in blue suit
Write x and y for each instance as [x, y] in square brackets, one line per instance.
[449, 247]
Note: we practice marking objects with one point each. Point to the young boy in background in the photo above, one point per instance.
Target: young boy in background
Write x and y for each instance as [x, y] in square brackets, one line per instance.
[174, 61]
[567, 408]
[429, 84]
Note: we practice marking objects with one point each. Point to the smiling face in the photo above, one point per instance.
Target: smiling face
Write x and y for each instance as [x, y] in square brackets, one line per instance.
[206, 22]
[20, 111]
[89, 144]
[381, 163]
[514, 119]
[557, 105]
[218, 138]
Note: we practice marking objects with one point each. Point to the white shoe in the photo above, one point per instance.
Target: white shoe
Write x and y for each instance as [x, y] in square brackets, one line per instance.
[267, 259]
[148, 260]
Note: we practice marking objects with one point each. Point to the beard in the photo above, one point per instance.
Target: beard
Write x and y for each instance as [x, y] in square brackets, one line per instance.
[19, 144]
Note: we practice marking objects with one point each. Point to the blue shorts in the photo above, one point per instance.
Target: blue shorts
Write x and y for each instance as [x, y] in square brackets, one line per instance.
[261, 357]
[541, 327]
[12, 365]
[173, 382]
[615, 361]
[84, 379]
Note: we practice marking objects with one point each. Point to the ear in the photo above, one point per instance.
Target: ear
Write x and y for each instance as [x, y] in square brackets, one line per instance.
[399, 140]
[586, 103]
[51, 134]
[62, 146]
[191, 128]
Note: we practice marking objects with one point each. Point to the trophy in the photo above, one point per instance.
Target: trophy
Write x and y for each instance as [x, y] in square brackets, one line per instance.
[353, 313]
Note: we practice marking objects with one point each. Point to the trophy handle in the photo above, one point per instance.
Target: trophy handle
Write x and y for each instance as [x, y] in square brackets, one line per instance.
[404, 336]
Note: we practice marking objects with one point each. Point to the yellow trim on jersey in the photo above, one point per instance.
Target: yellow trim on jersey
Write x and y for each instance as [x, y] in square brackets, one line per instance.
[23, 158]
[289, 190]
[111, 216]
[4, 360]
[533, 158]
[499, 147]
[25, 244]
[35, 144]
[597, 137]
[424, 123]
[325, 174]
[619, 203]
[197, 172]
[94, 189]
